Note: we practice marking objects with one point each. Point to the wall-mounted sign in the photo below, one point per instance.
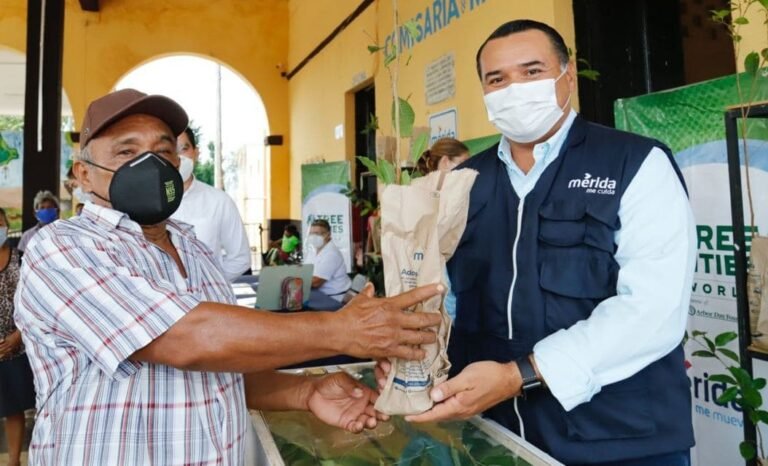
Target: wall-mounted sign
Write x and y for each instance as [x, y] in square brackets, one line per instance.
[440, 79]
[443, 125]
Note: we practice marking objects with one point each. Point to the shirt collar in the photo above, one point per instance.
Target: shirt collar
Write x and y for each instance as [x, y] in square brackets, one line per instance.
[113, 219]
[544, 150]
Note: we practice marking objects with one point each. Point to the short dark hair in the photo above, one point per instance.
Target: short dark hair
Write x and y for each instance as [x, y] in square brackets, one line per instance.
[291, 228]
[322, 223]
[520, 25]
[191, 136]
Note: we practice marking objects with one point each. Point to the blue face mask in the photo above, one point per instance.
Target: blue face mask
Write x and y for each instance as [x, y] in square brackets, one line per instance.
[46, 216]
[3, 235]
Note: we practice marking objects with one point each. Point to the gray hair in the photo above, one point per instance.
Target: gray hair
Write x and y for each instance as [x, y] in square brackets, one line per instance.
[45, 196]
[84, 155]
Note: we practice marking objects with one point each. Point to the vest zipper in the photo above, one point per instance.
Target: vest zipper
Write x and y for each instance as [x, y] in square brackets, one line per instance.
[514, 266]
[519, 419]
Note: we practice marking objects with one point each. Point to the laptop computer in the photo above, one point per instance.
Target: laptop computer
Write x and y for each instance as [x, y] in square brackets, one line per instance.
[271, 281]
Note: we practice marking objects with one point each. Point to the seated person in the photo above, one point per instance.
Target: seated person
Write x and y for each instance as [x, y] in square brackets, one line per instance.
[282, 249]
[330, 274]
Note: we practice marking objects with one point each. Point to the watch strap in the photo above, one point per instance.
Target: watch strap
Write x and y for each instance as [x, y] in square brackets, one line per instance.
[528, 374]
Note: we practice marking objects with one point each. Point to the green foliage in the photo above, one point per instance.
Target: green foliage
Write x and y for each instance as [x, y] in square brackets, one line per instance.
[418, 146]
[372, 125]
[752, 63]
[586, 71]
[741, 388]
[747, 450]
[204, 172]
[407, 118]
[11, 123]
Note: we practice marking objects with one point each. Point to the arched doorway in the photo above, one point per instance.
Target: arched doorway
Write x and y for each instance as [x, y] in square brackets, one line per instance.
[215, 96]
[12, 83]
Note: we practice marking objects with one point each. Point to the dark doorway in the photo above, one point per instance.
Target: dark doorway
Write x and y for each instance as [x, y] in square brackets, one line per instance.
[365, 146]
[642, 46]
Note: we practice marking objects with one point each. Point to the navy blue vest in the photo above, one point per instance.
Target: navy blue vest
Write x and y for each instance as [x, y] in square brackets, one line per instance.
[565, 267]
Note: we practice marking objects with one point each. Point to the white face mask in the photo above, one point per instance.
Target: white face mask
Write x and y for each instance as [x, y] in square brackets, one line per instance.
[81, 195]
[524, 112]
[186, 167]
[316, 241]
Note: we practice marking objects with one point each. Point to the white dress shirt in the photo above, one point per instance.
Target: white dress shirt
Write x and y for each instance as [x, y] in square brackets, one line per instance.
[656, 253]
[218, 225]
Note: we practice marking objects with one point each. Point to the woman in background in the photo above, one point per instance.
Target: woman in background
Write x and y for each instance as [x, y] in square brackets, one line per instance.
[17, 391]
[445, 154]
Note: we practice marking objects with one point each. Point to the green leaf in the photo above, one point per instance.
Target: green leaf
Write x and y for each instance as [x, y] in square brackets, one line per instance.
[741, 20]
[418, 146]
[725, 338]
[720, 14]
[751, 63]
[405, 178]
[374, 48]
[764, 52]
[407, 117]
[742, 377]
[747, 450]
[760, 416]
[728, 353]
[698, 333]
[370, 165]
[728, 395]
[390, 57]
[412, 29]
[710, 344]
[759, 384]
[592, 75]
[722, 378]
[704, 354]
[752, 397]
[387, 171]
[764, 3]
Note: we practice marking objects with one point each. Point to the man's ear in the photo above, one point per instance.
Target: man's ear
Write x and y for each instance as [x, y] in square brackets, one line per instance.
[570, 73]
[82, 172]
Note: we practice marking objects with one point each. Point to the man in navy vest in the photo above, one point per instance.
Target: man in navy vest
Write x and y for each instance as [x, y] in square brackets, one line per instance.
[574, 274]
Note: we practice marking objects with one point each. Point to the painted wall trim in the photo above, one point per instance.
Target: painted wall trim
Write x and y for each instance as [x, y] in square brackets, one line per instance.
[343, 25]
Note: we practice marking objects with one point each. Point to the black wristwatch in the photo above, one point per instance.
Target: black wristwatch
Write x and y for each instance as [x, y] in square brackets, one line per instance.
[530, 381]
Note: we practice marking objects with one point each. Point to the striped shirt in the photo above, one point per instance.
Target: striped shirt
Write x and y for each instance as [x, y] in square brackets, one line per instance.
[92, 292]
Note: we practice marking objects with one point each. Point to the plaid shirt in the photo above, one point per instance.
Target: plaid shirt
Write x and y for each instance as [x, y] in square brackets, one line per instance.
[92, 292]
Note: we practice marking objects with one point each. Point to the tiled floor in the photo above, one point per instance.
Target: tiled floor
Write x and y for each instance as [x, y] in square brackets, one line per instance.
[4, 445]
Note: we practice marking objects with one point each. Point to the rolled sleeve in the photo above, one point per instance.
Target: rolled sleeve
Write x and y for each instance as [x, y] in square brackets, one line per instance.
[656, 248]
[106, 312]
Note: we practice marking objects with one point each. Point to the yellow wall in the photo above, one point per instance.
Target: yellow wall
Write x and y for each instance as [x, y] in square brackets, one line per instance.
[251, 37]
[320, 93]
[755, 37]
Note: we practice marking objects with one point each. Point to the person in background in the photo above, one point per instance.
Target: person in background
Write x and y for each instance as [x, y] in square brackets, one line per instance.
[17, 391]
[330, 273]
[46, 211]
[139, 351]
[445, 154]
[573, 276]
[281, 249]
[212, 212]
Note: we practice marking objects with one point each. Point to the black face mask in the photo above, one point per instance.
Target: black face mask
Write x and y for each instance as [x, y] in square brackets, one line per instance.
[147, 188]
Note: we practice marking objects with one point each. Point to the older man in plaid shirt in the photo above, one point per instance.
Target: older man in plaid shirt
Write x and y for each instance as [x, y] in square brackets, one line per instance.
[132, 330]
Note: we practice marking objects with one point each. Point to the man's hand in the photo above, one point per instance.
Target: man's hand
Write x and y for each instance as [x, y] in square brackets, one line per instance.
[341, 401]
[9, 344]
[380, 328]
[478, 387]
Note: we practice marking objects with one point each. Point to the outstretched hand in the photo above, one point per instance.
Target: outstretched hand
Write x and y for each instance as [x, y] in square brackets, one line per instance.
[480, 386]
[339, 400]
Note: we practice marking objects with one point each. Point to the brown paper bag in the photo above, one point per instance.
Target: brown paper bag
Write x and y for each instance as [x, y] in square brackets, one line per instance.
[421, 227]
[757, 293]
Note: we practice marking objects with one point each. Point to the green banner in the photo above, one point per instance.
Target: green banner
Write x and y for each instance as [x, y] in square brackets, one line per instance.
[690, 120]
[315, 175]
[691, 115]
